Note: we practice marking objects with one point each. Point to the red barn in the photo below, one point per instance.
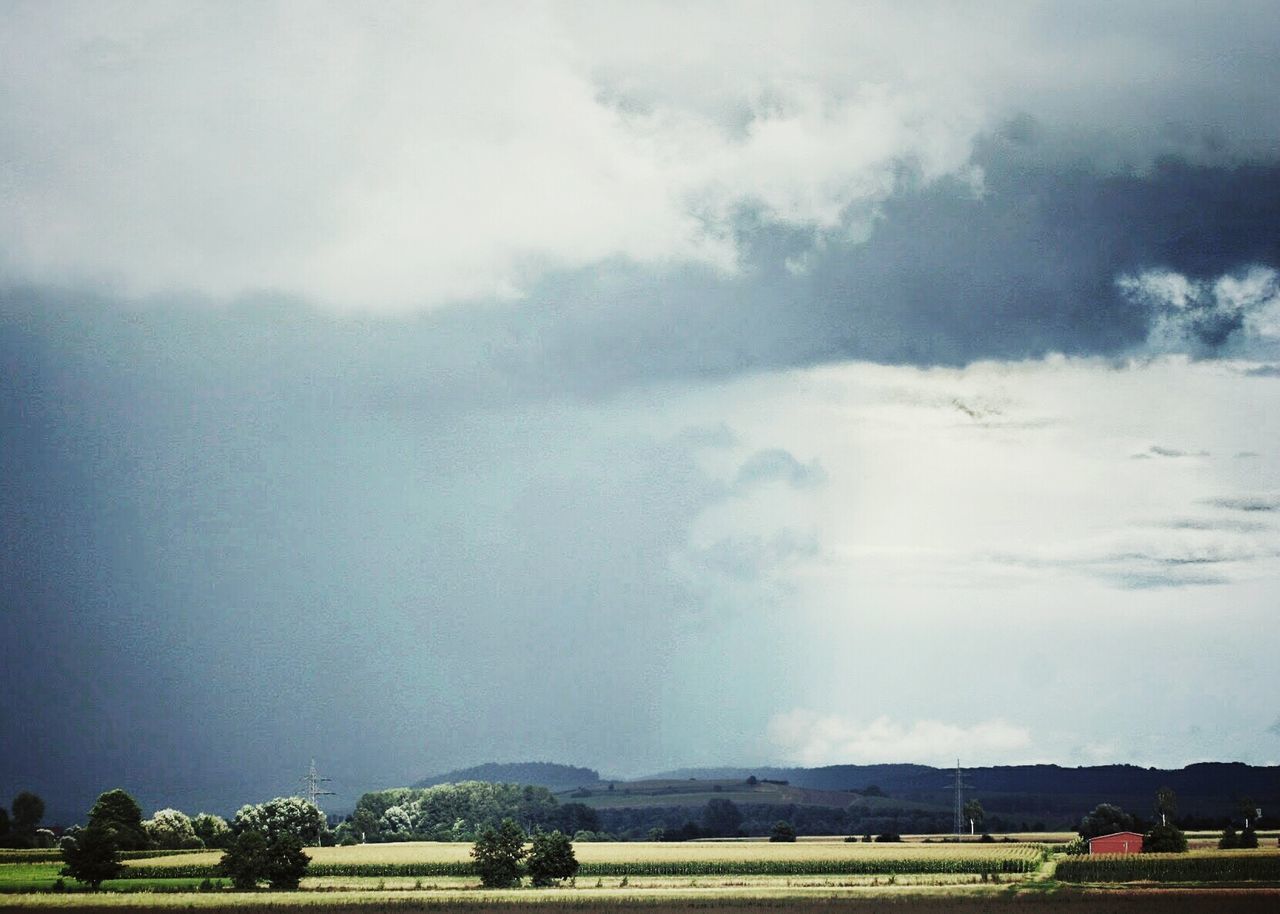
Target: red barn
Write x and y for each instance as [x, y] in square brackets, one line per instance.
[1122, 842]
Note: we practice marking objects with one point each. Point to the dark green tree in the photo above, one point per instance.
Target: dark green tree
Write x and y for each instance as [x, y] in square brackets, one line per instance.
[117, 810]
[551, 858]
[1244, 806]
[974, 812]
[28, 810]
[1105, 819]
[93, 855]
[4, 825]
[286, 862]
[245, 860]
[253, 858]
[1229, 839]
[721, 818]
[782, 831]
[1248, 838]
[1166, 804]
[1165, 839]
[497, 854]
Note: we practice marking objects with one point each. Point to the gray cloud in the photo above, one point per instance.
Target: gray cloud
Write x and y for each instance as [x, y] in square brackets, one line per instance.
[777, 465]
[1228, 525]
[1157, 450]
[1249, 503]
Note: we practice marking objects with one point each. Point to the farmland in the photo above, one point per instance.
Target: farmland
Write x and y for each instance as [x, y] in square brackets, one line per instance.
[720, 875]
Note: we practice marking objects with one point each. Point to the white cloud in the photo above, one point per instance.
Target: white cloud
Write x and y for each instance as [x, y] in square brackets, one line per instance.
[1239, 310]
[399, 155]
[809, 738]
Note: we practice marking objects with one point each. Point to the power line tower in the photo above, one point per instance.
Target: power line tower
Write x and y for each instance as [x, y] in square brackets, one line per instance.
[312, 788]
[960, 787]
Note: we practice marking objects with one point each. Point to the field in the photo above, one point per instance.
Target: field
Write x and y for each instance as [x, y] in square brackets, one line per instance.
[810, 875]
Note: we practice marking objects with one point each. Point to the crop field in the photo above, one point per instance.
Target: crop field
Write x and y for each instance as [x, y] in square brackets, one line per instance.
[718, 858]
[811, 875]
[1260, 865]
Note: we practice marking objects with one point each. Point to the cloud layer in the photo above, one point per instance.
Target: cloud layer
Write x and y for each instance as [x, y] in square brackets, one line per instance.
[409, 155]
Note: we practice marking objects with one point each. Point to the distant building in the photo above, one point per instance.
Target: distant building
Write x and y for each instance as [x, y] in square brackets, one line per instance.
[1121, 842]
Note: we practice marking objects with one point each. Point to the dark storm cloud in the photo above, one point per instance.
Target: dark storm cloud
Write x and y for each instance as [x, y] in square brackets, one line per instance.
[1030, 267]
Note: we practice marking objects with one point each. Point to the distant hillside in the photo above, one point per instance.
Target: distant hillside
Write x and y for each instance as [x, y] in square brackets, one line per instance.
[1048, 792]
[539, 774]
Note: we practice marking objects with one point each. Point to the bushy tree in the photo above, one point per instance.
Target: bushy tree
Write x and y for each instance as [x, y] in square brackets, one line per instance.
[551, 858]
[497, 854]
[283, 815]
[1164, 839]
[93, 855]
[1248, 838]
[782, 831]
[212, 830]
[1229, 839]
[120, 812]
[4, 824]
[171, 829]
[1105, 819]
[253, 858]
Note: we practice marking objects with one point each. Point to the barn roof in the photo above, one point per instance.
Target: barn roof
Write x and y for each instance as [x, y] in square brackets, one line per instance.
[1116, 834]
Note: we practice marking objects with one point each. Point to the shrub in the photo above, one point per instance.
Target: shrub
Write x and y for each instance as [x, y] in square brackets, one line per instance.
[1248, 838]
[1229, 839]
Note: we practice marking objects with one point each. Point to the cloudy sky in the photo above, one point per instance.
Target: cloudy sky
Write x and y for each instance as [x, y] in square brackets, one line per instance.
[634, 385]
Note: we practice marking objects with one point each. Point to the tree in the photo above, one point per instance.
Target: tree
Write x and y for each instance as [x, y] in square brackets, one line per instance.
[253, 857]
[171, 829]
[551, 858]
[117, 810]
[497, 854]
[4, 824]
[1105, 819]
[974, 813]
[1248, 838]
[293, 815]
[1165, 839]
[782, 831]
[1229, 839]
[1166, 804]
[721, 818]
[93, 856]
[1245, 806]
[212, 830]
[28, 810]
[245, 860]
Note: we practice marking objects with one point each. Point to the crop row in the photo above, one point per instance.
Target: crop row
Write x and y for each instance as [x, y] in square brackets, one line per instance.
[879, 866]
[1171, 868]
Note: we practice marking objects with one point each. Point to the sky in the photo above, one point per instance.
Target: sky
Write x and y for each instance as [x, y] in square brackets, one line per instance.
[639, 386]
